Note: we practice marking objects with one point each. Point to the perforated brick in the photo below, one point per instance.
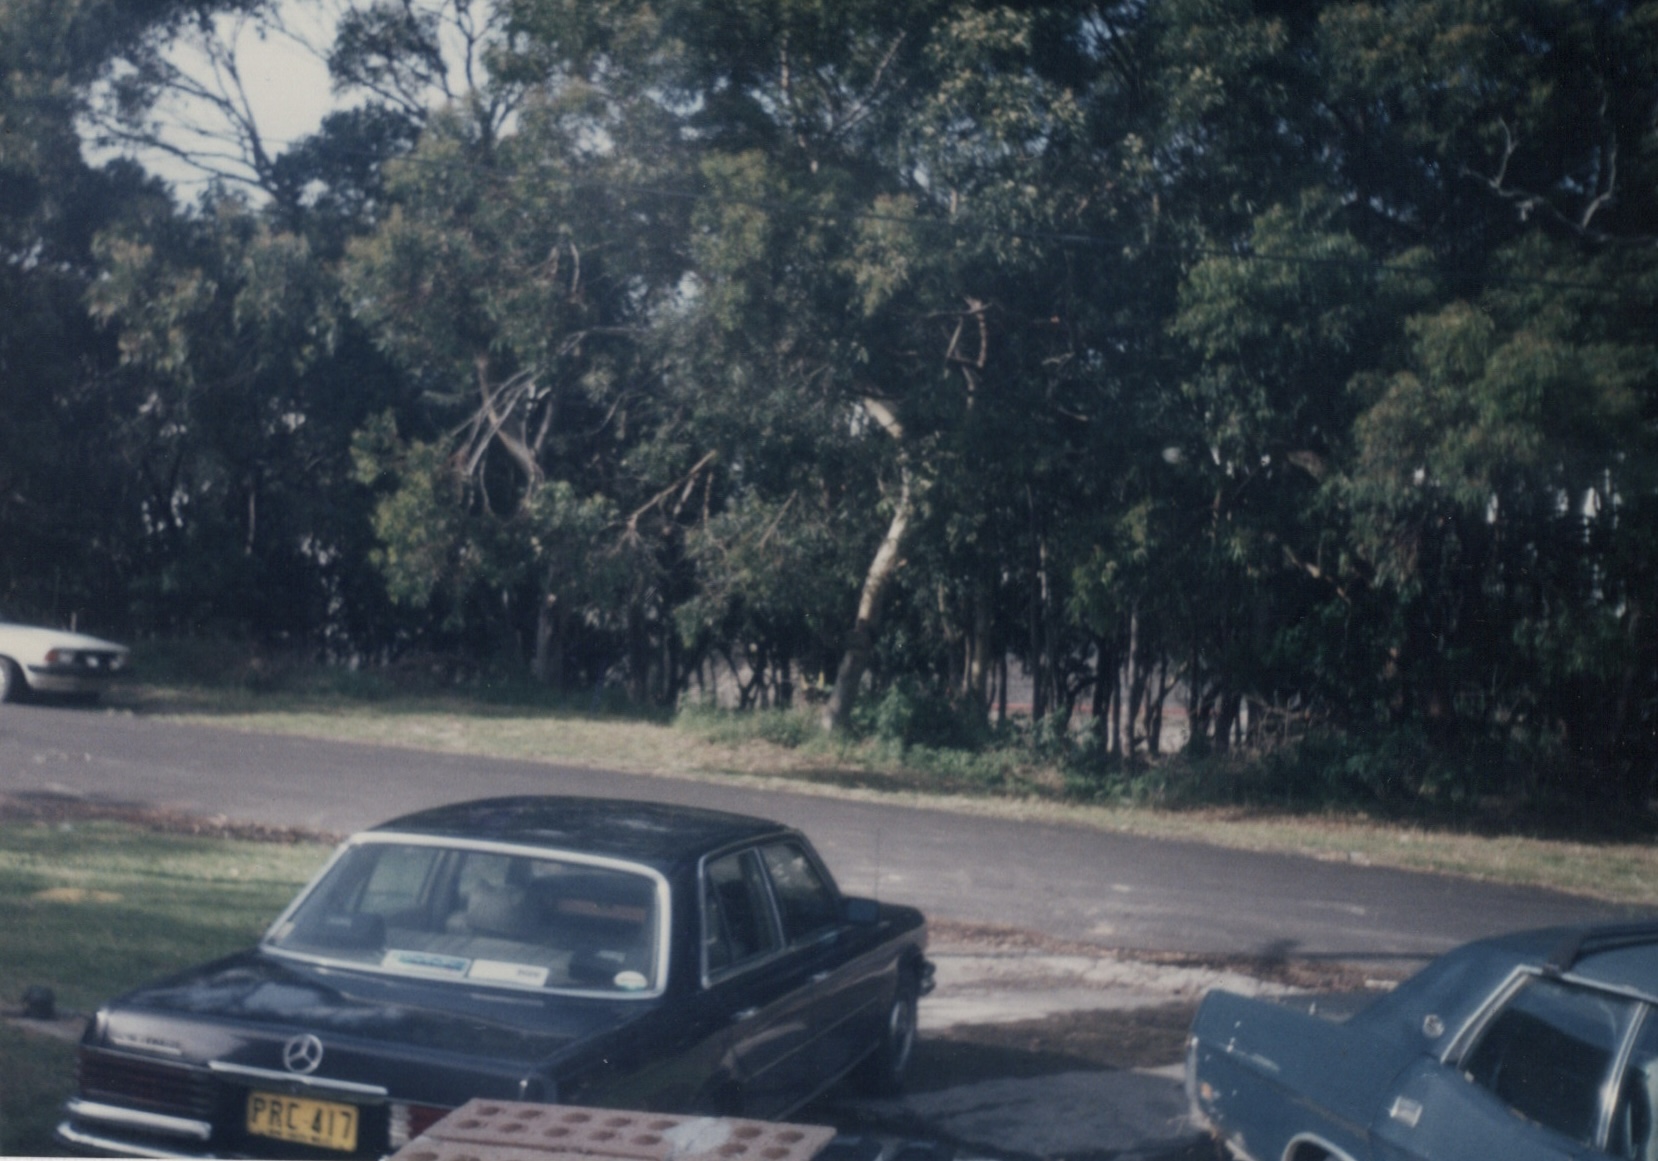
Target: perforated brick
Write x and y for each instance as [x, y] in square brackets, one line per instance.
[484, 1130]
[428, 1148]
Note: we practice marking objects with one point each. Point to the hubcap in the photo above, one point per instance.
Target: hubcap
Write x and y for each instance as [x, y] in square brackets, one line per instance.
[901, 1028]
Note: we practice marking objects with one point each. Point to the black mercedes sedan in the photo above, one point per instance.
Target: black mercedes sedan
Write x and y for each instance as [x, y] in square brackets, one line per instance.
[559, 950]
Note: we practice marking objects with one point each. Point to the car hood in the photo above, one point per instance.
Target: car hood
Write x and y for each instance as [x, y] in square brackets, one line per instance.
[36, 638]
[241, 1011]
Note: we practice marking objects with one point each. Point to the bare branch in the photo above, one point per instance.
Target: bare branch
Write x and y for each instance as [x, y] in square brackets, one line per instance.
[686, 484]
[863, 105]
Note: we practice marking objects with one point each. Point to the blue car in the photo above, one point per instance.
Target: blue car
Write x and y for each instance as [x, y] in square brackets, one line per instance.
[556, 950]
[1541, 1045]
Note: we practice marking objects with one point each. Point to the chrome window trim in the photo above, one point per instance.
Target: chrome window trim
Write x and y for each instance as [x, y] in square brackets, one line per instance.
[1516, 979]
[1614, 1079]
[1475, 1027]
[138, 1119]
[753, 845]
[823, 934]
[1335, 1152]
[732, 971]
[664, 916]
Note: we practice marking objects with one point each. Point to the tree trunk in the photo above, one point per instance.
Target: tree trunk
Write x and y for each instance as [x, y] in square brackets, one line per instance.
[1226, 718]
[1104, 664]
[1001, 688]
[977, 690]
[1154, 713]
[1136, 682]
[1116, 712]
[548, 666]
[860, 642]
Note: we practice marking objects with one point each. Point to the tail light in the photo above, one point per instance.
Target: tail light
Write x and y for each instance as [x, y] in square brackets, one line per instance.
[409, 1121]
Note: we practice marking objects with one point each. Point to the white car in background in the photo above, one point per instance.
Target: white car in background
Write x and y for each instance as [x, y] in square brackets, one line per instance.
[39, 660]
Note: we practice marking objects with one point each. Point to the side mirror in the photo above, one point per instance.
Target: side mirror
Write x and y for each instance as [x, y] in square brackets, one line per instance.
[863, 912]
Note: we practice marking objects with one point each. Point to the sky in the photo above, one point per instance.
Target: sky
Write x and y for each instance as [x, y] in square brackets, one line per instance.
[285, 82]
[288, 85]
[275, 69]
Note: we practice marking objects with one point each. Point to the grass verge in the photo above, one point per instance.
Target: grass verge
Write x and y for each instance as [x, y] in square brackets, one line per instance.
[91, 908]
[775, 750]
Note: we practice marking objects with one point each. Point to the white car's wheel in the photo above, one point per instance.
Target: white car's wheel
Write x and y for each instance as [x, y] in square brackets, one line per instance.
[11, 680]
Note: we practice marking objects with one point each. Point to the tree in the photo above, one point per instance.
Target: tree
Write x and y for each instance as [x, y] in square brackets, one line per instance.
[247, 383]
[62, 483]
[512, 288]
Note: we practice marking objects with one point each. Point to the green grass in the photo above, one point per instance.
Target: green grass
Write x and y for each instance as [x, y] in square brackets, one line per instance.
[93, 908]
[36, 1075]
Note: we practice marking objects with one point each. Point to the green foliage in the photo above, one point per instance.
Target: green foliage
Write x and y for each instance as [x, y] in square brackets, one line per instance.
[1288, 362]
[909, 714]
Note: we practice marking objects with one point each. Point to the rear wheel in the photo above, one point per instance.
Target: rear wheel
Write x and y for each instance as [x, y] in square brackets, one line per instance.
[11, 680]
[882, 1071]
[720, 1098]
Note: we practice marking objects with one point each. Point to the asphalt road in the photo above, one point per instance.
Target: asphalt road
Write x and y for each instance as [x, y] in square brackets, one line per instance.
[1065, 881]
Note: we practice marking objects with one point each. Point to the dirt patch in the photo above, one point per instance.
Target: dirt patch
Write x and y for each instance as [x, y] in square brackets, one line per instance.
[48, 808]
[1013, 1004]
[1152, 1037]
[949, 938]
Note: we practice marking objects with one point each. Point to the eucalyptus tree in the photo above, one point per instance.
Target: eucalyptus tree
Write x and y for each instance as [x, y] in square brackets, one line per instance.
[1035, 284]
[244, 383]
[1503, 465]
[871, 306]
[1349, 185]
[512, 280]
[62, 483]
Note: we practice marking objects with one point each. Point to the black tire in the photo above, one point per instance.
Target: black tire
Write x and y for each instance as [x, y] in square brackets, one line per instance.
[11, 680]
[882, 1072]
[721, 1097]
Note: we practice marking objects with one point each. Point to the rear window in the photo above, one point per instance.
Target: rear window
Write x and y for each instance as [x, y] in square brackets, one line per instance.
[1549, 1053]
[482, 917]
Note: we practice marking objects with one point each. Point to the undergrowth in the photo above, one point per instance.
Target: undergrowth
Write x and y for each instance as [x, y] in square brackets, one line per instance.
[1389, 773]
[910, 737]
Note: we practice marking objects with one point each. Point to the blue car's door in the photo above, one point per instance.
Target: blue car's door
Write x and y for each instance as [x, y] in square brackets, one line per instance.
[1436, 1115]
[1535, 1082]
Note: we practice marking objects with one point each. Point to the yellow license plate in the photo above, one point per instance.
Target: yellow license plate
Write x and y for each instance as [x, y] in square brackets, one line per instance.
[302, 1121]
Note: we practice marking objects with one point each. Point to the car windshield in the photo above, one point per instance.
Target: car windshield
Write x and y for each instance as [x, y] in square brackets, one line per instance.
[481, 916]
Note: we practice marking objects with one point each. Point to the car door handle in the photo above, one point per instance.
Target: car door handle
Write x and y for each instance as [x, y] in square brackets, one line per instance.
[745, 1014]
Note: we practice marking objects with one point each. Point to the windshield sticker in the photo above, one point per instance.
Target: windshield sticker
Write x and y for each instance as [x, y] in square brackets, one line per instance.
[448, 967]
[631, 981]
[491, 971]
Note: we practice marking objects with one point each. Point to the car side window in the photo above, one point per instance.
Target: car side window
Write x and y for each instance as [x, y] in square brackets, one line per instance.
[806, 904]
[736, 913]
[1548, 1054]
[1634, 1134]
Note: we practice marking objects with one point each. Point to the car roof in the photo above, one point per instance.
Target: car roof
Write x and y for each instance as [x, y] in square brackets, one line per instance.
[654, 833]
[1621, 955]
